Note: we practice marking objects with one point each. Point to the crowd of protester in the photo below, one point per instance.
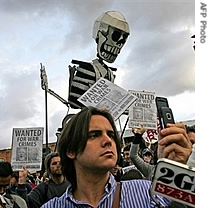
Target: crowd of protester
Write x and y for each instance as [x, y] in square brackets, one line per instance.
[142, 156]
[135, 162]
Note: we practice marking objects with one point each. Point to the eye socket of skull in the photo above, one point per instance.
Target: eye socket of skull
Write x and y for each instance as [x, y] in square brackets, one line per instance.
[116, 36]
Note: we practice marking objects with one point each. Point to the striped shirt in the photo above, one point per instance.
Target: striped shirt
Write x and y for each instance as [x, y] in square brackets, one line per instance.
[83, 77]
[134, 194]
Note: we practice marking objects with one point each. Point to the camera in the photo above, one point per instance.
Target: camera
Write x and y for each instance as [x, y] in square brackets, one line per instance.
[165, 114]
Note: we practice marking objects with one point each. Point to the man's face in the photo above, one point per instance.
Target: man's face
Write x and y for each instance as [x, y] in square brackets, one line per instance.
[55, 166]
[13, 181]
[4, 184]
[127, 155]
[100, 153]
[147, 157]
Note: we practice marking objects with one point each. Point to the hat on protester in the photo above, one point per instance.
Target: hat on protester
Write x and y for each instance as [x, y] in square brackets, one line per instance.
[147, 151]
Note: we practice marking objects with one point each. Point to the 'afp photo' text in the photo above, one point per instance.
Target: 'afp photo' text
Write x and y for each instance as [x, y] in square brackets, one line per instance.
[203, 22]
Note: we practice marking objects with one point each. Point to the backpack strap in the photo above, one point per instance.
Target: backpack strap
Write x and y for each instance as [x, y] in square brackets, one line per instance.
[14, 201]
[7, 201]
[18, 201]
[116, 200]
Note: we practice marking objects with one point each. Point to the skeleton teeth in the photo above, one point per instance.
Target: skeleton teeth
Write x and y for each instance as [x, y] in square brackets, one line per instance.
[109, 48]
[110, 52]
[116, 51]
[113, 49]
[104, 54]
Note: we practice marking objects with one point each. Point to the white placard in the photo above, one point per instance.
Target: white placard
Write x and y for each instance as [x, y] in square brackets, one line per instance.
[27, 148]
[105, 94]
[143, 110]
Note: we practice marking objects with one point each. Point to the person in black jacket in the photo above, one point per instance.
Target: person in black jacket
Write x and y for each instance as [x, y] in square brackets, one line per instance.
[8, 197]
[55, 186]
[14, 182]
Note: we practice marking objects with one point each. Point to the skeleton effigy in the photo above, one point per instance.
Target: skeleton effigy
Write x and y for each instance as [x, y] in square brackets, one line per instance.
[110, 32]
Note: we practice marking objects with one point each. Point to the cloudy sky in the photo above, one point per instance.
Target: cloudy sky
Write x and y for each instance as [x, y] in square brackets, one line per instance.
[158, 55]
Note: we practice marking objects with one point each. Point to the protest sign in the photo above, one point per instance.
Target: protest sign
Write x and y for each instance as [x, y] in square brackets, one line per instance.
[27, 148]
[105, 94]
[143, 110]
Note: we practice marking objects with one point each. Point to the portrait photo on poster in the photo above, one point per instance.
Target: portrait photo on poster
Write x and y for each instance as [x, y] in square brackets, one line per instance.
[21, 154]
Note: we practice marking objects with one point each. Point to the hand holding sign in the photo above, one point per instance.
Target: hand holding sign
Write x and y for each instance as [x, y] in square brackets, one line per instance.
[23, 175]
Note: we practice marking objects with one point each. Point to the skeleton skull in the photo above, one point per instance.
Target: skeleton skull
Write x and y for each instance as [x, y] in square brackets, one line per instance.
[110, 32]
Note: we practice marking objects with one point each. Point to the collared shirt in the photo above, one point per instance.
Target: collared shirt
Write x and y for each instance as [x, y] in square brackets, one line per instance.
[134, 193]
